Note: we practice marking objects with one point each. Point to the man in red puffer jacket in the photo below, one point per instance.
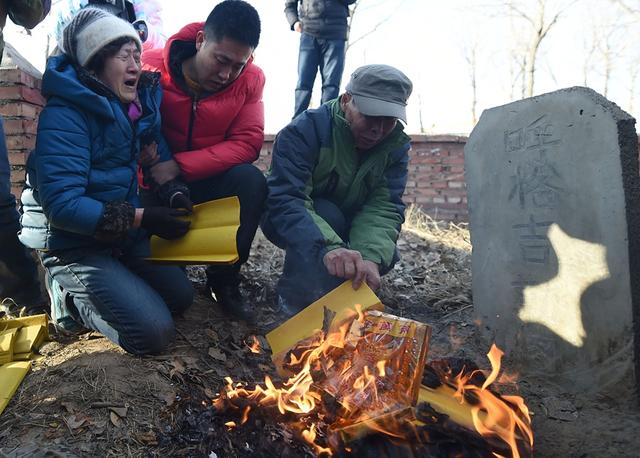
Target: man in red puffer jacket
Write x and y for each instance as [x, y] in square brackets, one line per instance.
[213, 120]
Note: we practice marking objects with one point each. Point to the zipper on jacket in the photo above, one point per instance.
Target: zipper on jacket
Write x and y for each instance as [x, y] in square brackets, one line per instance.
[132, 152]
[192, 118]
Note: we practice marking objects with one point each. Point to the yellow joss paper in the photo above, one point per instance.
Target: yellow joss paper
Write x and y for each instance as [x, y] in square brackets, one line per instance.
[342, 300]
[11, 374]
[211, 238]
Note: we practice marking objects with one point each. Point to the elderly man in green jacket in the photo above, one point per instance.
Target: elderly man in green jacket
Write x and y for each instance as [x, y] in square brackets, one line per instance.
[337, 178]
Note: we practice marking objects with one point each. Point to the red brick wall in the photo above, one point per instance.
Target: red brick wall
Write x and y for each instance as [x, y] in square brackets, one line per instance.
[20, 105]
[436, 169]
[436, 175]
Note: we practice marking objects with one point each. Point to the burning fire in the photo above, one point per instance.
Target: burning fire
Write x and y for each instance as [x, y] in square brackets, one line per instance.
[506, 417]
[354, 378]
[255, 344]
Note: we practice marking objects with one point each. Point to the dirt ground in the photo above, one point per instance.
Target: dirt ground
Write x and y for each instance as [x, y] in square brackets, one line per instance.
[86, 397]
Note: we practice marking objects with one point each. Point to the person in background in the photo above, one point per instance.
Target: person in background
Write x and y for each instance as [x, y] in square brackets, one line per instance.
[18, 272]
[213, 119]
[335, 189]
[81, 207]
[323, 29]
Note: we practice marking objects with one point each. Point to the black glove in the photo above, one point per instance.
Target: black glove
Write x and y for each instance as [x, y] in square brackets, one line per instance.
[164, 222]
[180, 200]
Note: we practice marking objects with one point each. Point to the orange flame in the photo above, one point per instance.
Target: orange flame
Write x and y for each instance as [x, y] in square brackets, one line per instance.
[364, 393]
[255, 344]
[355, 387]
[505, 417]
[310, 436]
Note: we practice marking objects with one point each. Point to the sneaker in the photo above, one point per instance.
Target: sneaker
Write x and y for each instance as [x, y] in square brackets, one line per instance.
[229, 297]
[62, 308]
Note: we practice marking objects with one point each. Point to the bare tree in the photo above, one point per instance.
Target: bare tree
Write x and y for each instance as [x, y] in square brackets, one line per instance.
[541, 18]
[630, 6]
[609, 52]
[422, 129]
[590, 51]
[634, 70]
[471, 57]
[358, 8]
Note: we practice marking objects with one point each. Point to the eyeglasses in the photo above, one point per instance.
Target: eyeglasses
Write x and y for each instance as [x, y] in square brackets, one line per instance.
[125, 57]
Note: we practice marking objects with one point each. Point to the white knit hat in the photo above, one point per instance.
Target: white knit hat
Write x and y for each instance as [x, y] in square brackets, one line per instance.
[92, 29]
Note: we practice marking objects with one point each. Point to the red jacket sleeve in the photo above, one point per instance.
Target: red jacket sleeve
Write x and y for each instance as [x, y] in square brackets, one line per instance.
[152, 60]
[242, 144]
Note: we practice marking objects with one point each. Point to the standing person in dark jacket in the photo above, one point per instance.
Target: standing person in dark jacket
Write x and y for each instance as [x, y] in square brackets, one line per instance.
[322, 25]
[82, 211]
[18, 273]
[213, 119]
[335, 189]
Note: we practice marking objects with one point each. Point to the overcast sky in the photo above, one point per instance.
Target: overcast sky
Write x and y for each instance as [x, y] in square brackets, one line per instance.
[429, 40]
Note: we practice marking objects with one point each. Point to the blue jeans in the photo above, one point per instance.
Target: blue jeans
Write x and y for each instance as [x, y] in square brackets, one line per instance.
[303, 279]
[126, 298]
[13, 254]
[314, 53]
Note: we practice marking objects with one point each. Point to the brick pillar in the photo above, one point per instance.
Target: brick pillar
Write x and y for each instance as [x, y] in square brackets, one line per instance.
[436, 176]
[20, 105]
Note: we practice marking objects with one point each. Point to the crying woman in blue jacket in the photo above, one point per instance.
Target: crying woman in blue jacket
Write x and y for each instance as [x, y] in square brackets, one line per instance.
[81, 207]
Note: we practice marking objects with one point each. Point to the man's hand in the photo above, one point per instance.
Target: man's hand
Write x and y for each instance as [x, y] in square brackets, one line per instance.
[164, 171]
[370, 275]
[298, 27]
[344, 263]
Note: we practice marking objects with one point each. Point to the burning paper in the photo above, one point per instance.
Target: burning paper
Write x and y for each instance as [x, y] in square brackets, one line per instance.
[362, 372]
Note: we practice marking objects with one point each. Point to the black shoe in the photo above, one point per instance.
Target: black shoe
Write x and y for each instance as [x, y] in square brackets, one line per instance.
[25, 299]
[229, 297]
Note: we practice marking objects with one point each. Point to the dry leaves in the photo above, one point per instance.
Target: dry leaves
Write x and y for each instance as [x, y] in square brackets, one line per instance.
[217, 354]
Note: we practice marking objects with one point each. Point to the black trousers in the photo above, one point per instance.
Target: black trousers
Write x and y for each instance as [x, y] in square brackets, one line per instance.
[249, 184]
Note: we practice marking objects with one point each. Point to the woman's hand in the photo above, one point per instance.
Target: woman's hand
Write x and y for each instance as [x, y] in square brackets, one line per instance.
[164, 171]
[165, 222]
[149, 154]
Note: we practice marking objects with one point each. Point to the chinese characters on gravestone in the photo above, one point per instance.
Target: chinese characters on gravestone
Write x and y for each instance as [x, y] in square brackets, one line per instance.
[535, 187]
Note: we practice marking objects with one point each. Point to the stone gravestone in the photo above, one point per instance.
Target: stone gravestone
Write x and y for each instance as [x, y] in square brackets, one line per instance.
[554, 214]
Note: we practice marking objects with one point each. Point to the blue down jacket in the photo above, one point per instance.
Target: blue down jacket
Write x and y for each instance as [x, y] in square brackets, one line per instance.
[87, 151]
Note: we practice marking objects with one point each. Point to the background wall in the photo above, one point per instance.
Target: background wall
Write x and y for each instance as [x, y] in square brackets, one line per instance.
[436, 168]
[436, 174]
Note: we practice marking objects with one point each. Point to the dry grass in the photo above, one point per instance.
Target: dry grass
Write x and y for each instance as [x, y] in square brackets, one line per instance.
[453, 235]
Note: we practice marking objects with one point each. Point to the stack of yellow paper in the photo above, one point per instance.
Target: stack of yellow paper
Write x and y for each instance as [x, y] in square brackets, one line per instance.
[20, 338]
[342, 300]
[211, 238]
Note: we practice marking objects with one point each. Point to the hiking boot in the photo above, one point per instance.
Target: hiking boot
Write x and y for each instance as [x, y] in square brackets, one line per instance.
[229, 297]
